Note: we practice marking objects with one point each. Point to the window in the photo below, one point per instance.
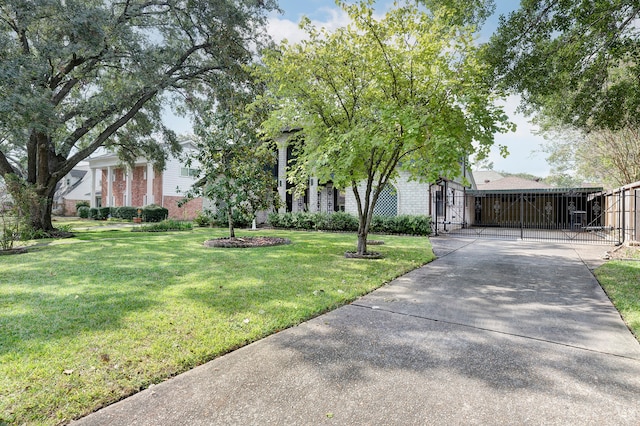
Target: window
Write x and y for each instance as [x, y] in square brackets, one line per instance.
[188, 172]
[387, 204]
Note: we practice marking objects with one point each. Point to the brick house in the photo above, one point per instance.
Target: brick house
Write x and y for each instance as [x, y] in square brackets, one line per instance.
[114, 184]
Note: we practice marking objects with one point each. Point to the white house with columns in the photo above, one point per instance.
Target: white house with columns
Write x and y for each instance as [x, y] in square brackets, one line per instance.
[403, 196]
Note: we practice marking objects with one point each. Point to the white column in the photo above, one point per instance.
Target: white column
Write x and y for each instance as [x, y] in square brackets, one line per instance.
[149, 184]
[108, 201]
[92, 201]
[282, 178]
[129, 173]
[313, 195]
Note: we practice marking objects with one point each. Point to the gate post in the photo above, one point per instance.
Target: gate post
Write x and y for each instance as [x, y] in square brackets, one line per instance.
[522, 216]
[624, 214]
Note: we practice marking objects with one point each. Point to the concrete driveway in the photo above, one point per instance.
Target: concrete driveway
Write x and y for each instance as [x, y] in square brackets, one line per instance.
[492, 332]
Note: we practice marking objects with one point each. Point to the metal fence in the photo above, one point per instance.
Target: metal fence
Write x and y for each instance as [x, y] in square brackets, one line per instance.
[583, 215]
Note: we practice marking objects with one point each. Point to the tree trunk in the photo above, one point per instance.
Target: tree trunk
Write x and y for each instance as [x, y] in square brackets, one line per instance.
[40, 216]
[363, 231]
[232, 232]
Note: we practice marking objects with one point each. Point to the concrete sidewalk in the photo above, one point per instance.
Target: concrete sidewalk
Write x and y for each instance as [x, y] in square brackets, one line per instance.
[492, 332]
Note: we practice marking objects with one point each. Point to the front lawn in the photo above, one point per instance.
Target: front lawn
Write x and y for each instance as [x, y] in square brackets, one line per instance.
[89, 320]
[620, 279]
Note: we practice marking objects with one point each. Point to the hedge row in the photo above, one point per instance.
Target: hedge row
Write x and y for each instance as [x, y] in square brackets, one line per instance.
[219, 219]
[150, 213]
[339, 221]
[165, 225]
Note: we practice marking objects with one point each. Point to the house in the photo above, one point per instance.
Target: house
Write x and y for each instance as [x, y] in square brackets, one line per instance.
[72, 189]
[403, 196]
[113, 184]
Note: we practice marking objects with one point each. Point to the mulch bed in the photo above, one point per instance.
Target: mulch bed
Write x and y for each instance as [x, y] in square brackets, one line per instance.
[18, 250]
[246, 242]
[368, 255]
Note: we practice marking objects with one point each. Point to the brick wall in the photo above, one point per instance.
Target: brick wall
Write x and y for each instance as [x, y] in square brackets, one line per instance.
[138, 187]
[69, 207]
[188, 211]
[157, 188]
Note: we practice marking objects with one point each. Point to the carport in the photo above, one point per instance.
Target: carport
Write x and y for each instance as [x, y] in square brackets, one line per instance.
[584, 215]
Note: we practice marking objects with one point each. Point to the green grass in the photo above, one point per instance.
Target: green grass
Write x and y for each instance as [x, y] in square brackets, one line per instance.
[89, 320]
[621, 281]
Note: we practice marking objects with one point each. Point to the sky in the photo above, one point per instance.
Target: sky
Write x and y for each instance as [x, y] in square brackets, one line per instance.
[523, 145]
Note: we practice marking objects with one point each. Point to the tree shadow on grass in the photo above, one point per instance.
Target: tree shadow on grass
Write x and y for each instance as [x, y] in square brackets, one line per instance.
[38, 317]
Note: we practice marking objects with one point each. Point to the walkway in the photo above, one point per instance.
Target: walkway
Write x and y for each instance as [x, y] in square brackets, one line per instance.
[492, 332]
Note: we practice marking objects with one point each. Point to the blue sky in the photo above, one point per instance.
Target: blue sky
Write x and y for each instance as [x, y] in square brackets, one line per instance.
[523, 145]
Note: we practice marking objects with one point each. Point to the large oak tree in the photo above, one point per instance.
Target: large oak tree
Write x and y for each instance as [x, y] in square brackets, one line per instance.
[77, 75]
[404, 91]
[575, 63]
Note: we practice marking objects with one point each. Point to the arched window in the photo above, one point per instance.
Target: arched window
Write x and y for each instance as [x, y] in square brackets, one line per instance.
[387, 204]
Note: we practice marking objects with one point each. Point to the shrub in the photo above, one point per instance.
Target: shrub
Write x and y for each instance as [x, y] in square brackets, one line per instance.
[239, 220]
[82, 203]
[154, 213]
[403, 224]
[28, 233]
[104, 212]
[303, 220]
[125, 212]
[83, 212]
[273, 219]
[202, 219]
[321, 220]
[165, 225]
[341, 221]
[94, 213]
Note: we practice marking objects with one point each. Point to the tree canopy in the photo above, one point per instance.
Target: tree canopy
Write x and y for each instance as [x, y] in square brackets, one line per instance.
[606, 157]
[77, 75]
[575, 63]
[406, 91]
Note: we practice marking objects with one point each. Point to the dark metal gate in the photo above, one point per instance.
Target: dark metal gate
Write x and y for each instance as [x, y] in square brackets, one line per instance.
[581, 215]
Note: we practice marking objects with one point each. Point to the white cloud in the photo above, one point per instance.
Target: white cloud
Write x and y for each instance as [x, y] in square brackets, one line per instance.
[523, 145]
[281, 29]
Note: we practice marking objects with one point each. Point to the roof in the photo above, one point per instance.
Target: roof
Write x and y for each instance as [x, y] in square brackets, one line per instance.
[484, 176]
[78, 173]
[510, 182]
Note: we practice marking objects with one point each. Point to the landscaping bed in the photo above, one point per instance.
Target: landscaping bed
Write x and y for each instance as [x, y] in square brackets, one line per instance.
[246, 242]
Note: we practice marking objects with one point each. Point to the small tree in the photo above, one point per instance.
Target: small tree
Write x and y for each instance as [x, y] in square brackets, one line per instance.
[14, 213]
[405, 91]
[236, 167]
